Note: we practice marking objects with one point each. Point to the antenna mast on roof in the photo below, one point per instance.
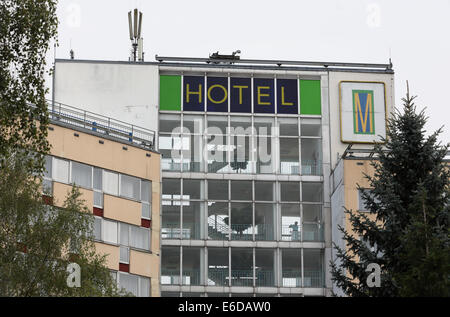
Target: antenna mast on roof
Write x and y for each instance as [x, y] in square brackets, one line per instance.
[137, 41]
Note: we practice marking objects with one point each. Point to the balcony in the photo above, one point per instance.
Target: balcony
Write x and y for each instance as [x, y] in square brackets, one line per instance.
[311, 233]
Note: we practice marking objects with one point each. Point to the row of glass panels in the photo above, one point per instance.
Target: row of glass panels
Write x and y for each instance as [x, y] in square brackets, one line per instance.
[239, 210]
[242, 190]
[226, 124]
[242, 267]
[241, 221]
[253, 144]
[241, 154]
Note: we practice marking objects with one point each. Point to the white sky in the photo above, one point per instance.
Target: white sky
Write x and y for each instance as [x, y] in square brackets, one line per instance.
[414, 33]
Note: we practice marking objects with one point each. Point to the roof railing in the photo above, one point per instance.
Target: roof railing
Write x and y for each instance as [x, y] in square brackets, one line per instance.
[125, 132]
[279, 63]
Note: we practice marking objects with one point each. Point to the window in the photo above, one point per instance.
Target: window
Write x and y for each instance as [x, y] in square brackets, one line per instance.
[170, 265]
[289, 156]
[130, 187]
[48, 167]
[124, 234]
[98, 199]
[82, 175]
[145, 211]
[109, 231]
[171, 188]
[217, 124]
[312, 192]
[146, 198]
[134, 236]
[218, 268]
[263, 125]
[193, 189]
[193, 212]
[264, 191]
[290, 191]
[241, 190]
[265, 267]
[193, 124]
[124, 254]
[218, 189]
[137, 285]
[47, 183]
[98, 178]
[170, 228]
[129, 282]
[111, 183]
[97, 228]
[167, 123]
[191, 266]
[313, 268]
[139, 238]
[146, 191]
[312, 222]
[288, 126]
[144, 287]
[310, 127]
[290, 222]
[311, 156]
[60, 170]
[47, 186]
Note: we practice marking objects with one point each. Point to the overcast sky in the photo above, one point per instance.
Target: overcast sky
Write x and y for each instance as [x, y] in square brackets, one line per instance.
[414, 33]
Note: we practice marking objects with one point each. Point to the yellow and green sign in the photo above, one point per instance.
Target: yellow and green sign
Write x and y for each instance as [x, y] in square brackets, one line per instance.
[363, 112]
[238, 94]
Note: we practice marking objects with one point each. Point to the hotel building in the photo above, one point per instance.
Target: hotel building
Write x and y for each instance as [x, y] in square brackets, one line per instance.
[247, 153]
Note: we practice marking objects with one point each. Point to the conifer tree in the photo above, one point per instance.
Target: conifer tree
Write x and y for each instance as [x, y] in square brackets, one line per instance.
[410, 199]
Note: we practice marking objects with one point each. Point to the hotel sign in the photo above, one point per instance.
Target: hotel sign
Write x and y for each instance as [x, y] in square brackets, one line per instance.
[362, 111]
[240, 94]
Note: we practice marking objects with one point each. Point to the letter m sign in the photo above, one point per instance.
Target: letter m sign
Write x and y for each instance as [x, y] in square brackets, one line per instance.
[363, 112]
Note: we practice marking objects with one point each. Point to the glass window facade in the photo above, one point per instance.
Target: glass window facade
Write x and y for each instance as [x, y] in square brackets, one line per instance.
[245, 184]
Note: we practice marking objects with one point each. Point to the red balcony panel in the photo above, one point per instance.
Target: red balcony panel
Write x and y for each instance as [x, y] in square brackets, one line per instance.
[98, 212]
[48, 200]
[124, 267]
[146, 223]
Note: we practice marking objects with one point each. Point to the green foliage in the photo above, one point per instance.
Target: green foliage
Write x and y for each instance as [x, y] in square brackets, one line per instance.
[26, 28]
[38, 241]
[410, 198]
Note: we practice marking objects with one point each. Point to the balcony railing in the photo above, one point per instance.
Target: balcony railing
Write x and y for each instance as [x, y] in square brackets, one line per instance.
[311, 232]
[218, 277]
[123, 131]
[308, 167]
[292, 278]
[289, 234]
[191, 277]
[241, 232]
[311, 167]
[173, 231]
[265, 278]
[242, 277]
[170, 277]
[313, 279]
